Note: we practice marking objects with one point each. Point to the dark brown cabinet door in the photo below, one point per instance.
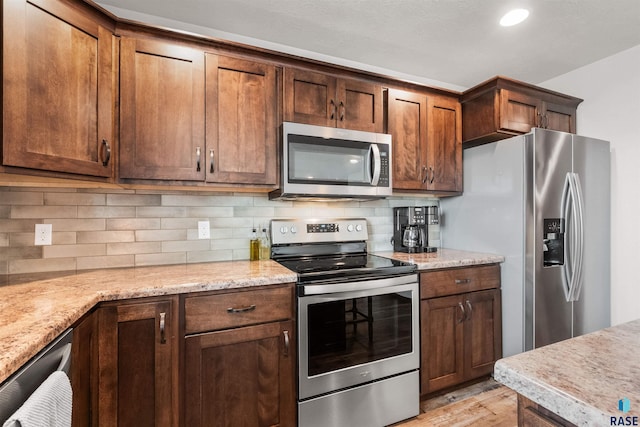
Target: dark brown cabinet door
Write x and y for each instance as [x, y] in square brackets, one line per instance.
[83, 369]
[58, 73]
[519, 112]
[559, 117]
[444, 144]
[162, 111]
[483, 339]
[407, 124]
[241, 128]
[359, 105]
[138, 360]
[323, 100]
[442, 343]
[241, 377]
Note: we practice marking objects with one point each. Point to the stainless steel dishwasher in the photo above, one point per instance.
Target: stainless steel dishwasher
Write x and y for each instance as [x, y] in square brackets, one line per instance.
[18, 387]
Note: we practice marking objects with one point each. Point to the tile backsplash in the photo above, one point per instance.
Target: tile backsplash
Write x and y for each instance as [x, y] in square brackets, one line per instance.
[125, 228]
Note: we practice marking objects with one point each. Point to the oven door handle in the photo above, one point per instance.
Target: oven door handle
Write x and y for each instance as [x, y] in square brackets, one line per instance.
[342, 287]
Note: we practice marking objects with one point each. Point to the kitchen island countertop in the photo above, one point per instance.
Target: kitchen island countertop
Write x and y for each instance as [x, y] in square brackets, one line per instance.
[581, 379]
[444, 258]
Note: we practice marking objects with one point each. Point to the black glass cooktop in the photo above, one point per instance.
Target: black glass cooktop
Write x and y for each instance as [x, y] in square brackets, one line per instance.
[335, 268]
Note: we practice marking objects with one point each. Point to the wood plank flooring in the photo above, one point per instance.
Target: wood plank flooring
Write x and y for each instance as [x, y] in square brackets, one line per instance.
[484, 404]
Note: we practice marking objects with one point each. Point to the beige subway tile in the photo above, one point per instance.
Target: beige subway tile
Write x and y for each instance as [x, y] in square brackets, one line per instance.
[209, 256]
[160, 235]
[21, 266]
[106, 211]
[117, 261]
[161, 259]
[208, 212]
[5, 211]
[179, 223]
[84, 224]
[21, 198]
[160, 212]
[4, 239]
[209, 200]
[44, 212]
[133, 248]
[106, 236]
[359, 212]
[68, 251]
[231, 222]
[133, 224]
[4, 269]
[18, 225]
[74, 199]
[238, 254]
[26, 252]
[215, 233]
[186, 245]
[262, 211]
[27, 239]
[134, 199]
[230, 243]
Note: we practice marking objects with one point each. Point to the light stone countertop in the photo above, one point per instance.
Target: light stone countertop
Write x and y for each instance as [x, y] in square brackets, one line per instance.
[444, 258]
[34, 309]
[583, 378]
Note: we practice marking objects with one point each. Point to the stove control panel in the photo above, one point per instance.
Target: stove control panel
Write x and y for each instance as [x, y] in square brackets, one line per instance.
[318, 230]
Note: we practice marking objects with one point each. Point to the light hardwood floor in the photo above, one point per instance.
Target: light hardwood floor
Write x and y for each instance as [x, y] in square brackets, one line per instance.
[484, 404]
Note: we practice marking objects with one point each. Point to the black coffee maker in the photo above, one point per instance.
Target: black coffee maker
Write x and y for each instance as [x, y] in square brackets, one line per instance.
[411, 228]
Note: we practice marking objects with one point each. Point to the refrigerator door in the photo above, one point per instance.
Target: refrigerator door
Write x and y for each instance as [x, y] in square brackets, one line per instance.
[591, 164]
[545, 294]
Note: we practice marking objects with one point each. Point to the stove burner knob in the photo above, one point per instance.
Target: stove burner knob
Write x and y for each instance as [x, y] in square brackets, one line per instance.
[294, 230]
[283, 229]
[350, 228]
[358, 228]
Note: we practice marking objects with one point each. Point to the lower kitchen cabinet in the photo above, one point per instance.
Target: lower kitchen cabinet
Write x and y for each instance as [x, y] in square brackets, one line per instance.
[83, 357]
[461, 333]
[138, 363]
[240, 377]
[243, 373]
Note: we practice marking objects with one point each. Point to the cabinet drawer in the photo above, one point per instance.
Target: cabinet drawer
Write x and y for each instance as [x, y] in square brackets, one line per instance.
[458, 280]
[222, 311]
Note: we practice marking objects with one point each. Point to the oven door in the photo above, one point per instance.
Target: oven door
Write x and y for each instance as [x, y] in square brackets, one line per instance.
[358, 336]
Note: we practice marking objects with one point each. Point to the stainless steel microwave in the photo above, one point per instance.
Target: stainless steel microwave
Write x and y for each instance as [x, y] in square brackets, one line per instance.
[326, 163]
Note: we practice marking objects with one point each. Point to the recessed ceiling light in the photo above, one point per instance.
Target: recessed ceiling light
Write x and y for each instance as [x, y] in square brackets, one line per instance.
[514, 17]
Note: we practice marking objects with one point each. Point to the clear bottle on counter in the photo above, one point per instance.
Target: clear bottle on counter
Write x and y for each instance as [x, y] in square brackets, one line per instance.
[254, 246]
[265, 244]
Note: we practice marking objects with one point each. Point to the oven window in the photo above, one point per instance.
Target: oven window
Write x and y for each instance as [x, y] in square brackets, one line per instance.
[318, 160]
[350, 332]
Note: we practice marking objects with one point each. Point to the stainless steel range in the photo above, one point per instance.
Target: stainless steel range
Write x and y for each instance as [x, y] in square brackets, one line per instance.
[357, 314]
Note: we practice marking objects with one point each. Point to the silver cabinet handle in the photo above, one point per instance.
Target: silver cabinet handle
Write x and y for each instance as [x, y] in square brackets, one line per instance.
[464, 313]
[333, 109]
[163, 338]
[285, 335]
[462, 281]
[470, 312]
[197, 159]
[241, 309]
[211, 168]
[433, 174]
[342, 111]
[426, 174]
[107, 152]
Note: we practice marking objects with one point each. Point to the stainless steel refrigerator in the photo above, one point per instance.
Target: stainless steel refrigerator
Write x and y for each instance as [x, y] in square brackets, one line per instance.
[542, 201]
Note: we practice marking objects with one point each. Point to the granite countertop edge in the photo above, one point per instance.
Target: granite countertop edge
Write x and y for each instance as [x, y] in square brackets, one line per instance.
[444, 258]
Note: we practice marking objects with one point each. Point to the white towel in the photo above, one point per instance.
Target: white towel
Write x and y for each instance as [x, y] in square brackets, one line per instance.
[48, 406]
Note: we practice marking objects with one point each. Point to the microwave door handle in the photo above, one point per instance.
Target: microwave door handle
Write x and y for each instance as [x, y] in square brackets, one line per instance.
[375, 165]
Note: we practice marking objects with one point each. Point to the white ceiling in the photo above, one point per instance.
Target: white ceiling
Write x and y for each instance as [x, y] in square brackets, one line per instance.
[458, 42]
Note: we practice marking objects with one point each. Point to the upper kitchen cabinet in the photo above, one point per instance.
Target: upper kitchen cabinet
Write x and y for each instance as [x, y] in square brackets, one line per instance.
[162, 110]
[241, 120]
[58, 88]
[426, 134]
[500, 108]
[188, 115]
[325, 100]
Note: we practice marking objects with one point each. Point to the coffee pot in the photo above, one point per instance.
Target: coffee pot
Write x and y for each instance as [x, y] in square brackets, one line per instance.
[411, 228]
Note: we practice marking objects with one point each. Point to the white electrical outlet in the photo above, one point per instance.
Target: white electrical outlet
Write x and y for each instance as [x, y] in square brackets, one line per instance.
[204, 230]
[43, 234]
